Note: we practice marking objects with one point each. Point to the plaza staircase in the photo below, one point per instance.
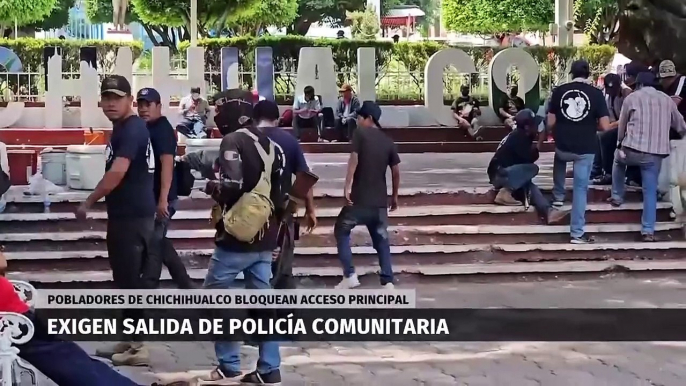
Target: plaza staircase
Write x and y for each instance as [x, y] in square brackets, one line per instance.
[408, 139]
[434, 232]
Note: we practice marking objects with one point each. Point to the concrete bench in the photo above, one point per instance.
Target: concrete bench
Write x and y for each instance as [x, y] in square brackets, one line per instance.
[16, 329]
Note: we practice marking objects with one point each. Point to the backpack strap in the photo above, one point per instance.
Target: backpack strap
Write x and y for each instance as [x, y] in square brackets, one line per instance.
[681, 86]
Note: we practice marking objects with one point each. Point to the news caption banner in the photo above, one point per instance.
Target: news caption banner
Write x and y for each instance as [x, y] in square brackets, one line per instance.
[331, 315]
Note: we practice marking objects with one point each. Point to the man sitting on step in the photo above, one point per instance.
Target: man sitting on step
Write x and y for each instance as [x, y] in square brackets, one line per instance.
[64, 362]
[513, 167]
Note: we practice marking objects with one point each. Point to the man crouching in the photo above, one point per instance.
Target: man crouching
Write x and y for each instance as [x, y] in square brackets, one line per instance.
[513, 168]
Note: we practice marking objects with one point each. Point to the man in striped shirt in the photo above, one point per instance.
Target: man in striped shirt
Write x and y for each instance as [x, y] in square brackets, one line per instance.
[643, 140]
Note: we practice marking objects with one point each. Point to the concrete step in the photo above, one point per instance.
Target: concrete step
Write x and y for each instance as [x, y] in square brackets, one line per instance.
[310, 259]
[95, 279]
[321, 264]
[68, 201]
[74, 136]
[401, 235]
[429, 215]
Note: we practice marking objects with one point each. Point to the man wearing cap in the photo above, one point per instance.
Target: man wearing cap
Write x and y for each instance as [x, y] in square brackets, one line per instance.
[365, 192]
[643, 141]
[576, 111]
[513, 167]
[195, 110]
[163, 140]
[128, 190]
[346, 113]
[631, 71]
[673, 85]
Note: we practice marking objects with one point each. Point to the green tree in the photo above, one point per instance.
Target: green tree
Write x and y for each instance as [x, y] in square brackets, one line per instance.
[365, 24]
[330, 12]
[599, 19]
[58, 17]
[497, 16]
[24, 12]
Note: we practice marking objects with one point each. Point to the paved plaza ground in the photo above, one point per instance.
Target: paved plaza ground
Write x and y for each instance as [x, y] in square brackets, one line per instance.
[475, 364]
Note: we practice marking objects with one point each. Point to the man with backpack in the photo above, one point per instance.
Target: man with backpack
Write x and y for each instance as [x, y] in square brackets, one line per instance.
[250, 168]
[163, 140]
[266, 114]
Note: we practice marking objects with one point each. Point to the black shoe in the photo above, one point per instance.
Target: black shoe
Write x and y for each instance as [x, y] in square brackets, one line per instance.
[604, 180]
[583, 239]
[646, 238]
[272, 379]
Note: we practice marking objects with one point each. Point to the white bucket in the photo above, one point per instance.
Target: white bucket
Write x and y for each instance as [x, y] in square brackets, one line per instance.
[54, 166]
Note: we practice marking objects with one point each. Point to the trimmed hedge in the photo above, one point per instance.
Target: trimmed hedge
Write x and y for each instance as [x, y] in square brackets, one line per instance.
[30, 51]
[413, 55]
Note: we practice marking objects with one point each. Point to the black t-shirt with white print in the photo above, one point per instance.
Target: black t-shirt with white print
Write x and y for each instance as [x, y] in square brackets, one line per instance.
[577, 106]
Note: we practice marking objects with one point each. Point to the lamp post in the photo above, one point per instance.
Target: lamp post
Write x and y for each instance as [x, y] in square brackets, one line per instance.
[194, 23]
[564, 22]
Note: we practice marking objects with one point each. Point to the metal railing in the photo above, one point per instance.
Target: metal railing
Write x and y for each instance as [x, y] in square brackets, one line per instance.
[390, 84]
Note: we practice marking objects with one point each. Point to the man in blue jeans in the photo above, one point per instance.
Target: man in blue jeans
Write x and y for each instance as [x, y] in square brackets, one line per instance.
[241, 166]
[513, 167]
[575, 112]
[643, 140]
[366, 194]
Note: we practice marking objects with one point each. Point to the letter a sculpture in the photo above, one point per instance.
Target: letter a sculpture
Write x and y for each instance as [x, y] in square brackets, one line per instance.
[119, 14]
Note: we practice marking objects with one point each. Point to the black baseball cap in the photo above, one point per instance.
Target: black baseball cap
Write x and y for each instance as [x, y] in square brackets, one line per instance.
[646, 78]
[266, 110]
[115, 84]
[580, 69]
[149, 95]
[527, 119]
[370, 109]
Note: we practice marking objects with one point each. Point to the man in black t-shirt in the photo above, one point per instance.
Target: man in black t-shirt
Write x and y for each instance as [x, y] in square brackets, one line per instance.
[576, 111]
[466, 112]
[128, 191]
[510, 106]
[513, 167]
[366, 194]
[163, 140]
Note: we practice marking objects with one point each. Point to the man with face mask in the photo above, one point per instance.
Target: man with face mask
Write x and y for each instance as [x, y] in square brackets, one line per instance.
[511, 106]
[241, 167]
[466, 112]
[195, 110]
[127, 187]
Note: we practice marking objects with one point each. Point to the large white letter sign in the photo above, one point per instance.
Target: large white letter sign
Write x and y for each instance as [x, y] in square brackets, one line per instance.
[166, 85]
[316, 69]
[366, 73]
[433, 80]
[529, 84]
[11, 62]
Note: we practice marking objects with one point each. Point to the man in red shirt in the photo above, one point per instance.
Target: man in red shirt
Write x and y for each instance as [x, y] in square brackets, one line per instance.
[65, 363]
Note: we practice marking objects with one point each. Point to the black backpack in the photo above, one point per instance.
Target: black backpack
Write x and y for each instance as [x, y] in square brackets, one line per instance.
[184, 179]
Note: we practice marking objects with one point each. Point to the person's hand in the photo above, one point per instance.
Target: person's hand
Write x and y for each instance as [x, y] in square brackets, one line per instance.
[275, 253]
[677, 99]
[348, 201]
[344, 120]
[81, 212]
[310, 221]
[163, 209]
[394, 203]
[211, 187]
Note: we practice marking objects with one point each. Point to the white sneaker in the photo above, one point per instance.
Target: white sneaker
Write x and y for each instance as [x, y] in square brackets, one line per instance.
[388, 286]
[349, 282]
